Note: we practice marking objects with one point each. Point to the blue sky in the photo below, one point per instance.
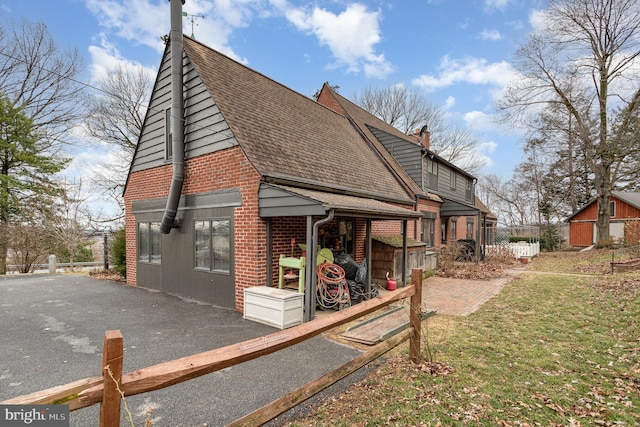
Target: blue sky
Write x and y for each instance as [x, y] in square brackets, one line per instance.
[457, 52]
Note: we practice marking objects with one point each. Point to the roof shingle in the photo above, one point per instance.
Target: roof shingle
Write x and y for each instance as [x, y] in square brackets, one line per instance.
[289, 136]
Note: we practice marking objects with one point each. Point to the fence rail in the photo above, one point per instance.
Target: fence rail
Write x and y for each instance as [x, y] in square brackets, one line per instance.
[106, 389]
[52, 268]
[518, 249]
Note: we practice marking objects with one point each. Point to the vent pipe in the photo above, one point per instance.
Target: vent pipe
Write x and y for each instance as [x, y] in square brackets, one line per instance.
[177, 119]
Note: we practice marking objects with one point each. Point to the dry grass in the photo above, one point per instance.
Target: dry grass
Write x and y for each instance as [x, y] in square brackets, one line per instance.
[549, 350]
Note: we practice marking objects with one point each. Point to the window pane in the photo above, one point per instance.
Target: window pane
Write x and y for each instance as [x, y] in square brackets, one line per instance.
[431, 231]
[168, 147]
[156, 238]
[428, 227]
[202, 242]
[143, 242]
[220, 230]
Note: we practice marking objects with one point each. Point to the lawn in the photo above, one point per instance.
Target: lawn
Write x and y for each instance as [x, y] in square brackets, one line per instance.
[549, 350]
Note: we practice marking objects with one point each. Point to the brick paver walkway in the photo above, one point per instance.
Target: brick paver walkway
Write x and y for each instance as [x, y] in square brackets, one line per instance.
[459, 297]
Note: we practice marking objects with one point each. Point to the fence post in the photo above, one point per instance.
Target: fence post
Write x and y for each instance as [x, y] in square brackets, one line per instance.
[112, 357]
[415, 315]
[52, 264]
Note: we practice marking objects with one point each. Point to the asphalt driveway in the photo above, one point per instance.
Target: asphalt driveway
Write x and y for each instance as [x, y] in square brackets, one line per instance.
[53, 329]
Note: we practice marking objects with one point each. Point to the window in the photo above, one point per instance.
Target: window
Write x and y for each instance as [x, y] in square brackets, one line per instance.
[346, 230]
[443, 231]
[452, 180]
[149, 242]
[469, 191]
[469, 230]
[168, 148]
[428, 231]
[431, 177]
[454, 224]
[212, 243]
[612, 209]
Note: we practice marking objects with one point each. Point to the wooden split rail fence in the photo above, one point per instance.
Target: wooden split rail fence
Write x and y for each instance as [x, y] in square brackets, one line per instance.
[109, 389]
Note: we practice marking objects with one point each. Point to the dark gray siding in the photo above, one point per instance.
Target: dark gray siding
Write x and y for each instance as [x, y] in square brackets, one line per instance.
[205, 129]
[408, 154]
[176, 273]
[275, 202]
[412, 158]
[445, 187]
[150, 151]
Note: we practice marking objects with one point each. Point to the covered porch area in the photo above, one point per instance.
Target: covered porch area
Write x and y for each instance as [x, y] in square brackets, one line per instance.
[314, 223]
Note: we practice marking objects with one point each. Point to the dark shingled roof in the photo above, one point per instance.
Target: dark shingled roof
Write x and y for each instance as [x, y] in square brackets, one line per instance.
[290, 137]
[363, 119]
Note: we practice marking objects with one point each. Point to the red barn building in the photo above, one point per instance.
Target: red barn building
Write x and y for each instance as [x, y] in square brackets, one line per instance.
[625, 207]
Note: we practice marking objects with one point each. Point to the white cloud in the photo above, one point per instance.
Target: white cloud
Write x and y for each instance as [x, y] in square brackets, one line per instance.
[105, 56]
[537, 19]
[485, 151]
[85, 163]
[477, 120]
[449, 103]
[351, 36]
[477, 71]
[139, 21]
[144, 22]
[496, 4]
[492, 35]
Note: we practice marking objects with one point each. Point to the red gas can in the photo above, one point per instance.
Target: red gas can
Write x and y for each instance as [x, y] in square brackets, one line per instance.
[391, 283]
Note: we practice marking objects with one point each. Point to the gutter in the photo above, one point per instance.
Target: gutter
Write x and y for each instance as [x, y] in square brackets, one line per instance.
[177, 119]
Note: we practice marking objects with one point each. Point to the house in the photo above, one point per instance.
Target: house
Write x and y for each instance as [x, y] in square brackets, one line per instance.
[624, 207]
[454, 212]
[233, 170]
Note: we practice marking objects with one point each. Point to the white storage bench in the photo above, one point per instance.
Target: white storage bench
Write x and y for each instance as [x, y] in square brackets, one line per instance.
[274, 307]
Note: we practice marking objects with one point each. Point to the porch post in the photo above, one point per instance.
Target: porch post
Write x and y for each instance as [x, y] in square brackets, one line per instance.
[309, 291]
[404, 252]
[368, 251]
[477, 248]
[269, 252]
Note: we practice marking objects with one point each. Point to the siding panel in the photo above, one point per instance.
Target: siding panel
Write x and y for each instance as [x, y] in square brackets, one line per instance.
[206, 131]
[408, 155]
[581, 234]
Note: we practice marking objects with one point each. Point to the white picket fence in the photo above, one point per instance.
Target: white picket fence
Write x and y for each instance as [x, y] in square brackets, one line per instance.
[519, 249]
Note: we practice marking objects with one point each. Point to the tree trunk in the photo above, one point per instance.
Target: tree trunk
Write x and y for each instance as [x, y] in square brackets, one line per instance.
[4, 246]
[603, 197]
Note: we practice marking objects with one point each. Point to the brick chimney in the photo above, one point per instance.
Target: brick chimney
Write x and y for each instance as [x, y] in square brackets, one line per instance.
[424, 136]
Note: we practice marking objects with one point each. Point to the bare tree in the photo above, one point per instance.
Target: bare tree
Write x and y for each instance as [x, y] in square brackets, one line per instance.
[583, 62]
[68, 223]
[513, 201]
[458, 145]
[404, 109]
[116, 116]
[40, 79]
[409, 110]
[28, 247]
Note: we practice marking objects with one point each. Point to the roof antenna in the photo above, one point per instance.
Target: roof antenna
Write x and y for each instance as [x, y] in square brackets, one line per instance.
[192, 18]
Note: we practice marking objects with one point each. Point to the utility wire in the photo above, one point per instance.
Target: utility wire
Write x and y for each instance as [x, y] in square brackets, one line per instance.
[87, 85]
